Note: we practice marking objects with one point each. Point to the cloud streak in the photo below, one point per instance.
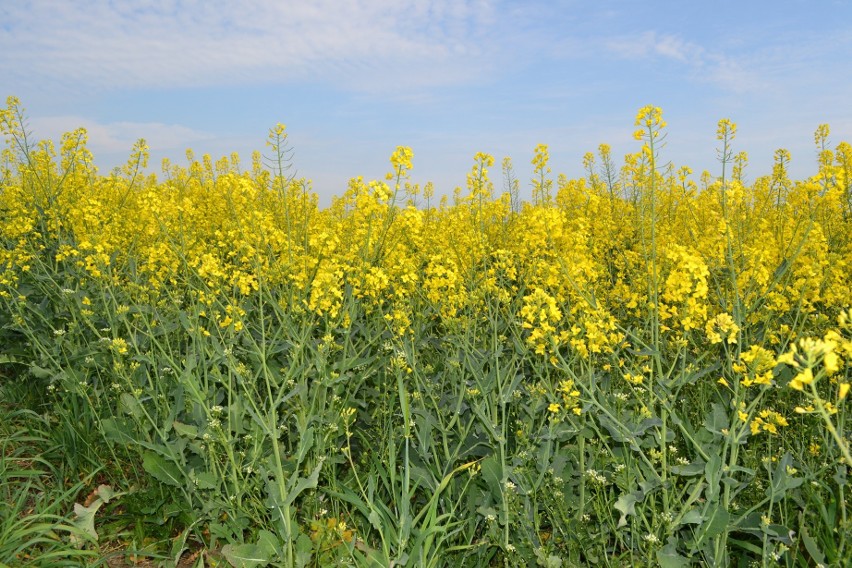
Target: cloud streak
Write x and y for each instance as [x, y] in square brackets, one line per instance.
[117, 138]
[169, 43]
[701, 64]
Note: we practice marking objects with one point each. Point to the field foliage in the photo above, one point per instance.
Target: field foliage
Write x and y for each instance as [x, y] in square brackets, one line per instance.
[637, 367]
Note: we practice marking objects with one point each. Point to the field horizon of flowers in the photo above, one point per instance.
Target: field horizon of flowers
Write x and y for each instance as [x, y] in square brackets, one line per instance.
[203, 367]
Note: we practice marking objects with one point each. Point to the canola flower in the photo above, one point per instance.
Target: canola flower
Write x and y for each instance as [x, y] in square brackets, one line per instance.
[572, 264]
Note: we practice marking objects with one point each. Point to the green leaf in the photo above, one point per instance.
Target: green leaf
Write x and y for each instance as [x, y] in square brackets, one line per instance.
[668, 557]
[304, 550]
[302, 484]
[185, 430]
[782, 481]
[716, 519]
[508, 393]
[117, 431]
[246, 555]
[812, 547]
[375, 520]
[694, 468]
[40, 372]
[306, 441]
[105, 493]
[717, 419]
[162, 470]
[745, 545]
[492, 473]
[713, 474]
[206, 480]
[129, 404]
[692, 517]
[5, 359]
[781, 269]
[626, 504]
[84, 519]
[267, 542]
[614, 430]
[840, 477]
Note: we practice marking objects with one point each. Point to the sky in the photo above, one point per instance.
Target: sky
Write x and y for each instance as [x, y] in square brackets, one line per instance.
[354, 79]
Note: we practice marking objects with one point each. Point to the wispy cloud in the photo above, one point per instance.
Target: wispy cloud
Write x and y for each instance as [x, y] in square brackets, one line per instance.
[701, 64]
[170, 43]
[117, 138]
[652, 44]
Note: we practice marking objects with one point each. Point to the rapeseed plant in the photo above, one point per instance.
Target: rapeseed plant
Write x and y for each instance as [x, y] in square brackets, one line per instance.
[595, 374]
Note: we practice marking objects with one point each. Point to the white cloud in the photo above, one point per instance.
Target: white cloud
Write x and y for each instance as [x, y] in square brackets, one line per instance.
[117, 138]
[701, 64]
[170, 43]
[651, 44]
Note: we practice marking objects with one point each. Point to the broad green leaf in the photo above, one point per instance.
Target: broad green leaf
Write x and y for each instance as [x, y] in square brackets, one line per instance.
[302, 484]
[306, 441]
[692, 517]
[375, 520]
[117, 431]
[84, 518]
[105, 493]
[162, 470]
[667, 556]
[206, 480]
[267, 542]
[492, 473]
[40, 373]
[717, 419]
[782, 481]
[626, 504]
[130, 405]
[840, 476]
[304, 550]
[811, 546]
[716, 520]
[185, 430]
[694, 468]
[617, 433]
[713, 474]
[246, 555]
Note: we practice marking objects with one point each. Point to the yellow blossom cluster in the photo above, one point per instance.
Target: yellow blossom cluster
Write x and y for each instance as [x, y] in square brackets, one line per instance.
[756, 365]
[767, 421]
[578, 267]
[541, 315]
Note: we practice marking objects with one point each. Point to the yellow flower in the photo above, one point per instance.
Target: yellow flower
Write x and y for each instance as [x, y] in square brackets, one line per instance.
[788, 358]
[726, 129]
[119, 346]
[806, 377]
[401, 159]
[650, 116]
[831, 362]
[722, 328]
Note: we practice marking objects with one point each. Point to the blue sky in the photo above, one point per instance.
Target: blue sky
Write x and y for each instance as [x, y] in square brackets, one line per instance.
[352, 79]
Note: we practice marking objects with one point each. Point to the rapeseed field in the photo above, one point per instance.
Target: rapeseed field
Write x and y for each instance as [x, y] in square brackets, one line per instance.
[639, 367]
